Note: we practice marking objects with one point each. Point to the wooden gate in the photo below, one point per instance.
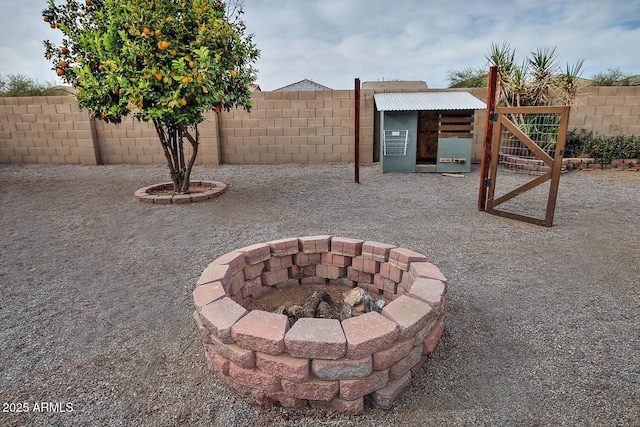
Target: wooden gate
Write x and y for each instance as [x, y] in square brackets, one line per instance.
[526, 151]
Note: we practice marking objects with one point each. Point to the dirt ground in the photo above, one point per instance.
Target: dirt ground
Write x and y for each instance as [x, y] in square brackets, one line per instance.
[542, 324]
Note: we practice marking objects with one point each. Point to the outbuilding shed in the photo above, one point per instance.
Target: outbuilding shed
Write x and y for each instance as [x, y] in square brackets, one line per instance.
[426, 131]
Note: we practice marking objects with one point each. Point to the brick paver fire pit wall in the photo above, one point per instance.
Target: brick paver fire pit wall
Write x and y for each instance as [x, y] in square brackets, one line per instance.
[322, 362]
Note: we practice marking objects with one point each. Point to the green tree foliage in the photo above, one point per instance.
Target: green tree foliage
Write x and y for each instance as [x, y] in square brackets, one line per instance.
[468, 77]
[165, 61]
[614, 77]
[21, 85]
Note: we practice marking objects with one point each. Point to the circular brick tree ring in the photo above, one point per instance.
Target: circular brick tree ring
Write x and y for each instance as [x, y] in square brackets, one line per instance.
[321, 362]
[210, 189]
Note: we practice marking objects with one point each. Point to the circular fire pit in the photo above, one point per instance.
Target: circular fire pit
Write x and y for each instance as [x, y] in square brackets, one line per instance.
[320, 361]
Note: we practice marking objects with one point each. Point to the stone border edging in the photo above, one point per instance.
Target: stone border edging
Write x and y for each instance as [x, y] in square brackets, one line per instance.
[322, 362]
[216, 189]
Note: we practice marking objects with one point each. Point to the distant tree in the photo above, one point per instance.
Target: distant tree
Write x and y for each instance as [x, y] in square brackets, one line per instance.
[164, 61]
[468, 77]
[614, 77]
[21, 85]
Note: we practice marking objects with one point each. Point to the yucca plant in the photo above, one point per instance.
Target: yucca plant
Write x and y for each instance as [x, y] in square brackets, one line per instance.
[569, 82]
[537, 81]
[502, 57]
[542, 65]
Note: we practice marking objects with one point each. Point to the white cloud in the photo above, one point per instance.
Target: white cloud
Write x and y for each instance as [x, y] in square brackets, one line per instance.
[334, 41]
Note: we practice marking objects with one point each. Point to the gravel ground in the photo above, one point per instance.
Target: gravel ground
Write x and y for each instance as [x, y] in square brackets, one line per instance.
[542, 324]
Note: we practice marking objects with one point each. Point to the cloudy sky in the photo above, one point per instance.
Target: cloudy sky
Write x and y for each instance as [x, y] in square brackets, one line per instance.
[334, 41]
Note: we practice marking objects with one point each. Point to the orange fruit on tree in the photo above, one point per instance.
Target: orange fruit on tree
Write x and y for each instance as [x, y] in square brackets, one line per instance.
[183, 102]
[217, 110]
[46, 19]
[60, 72]
[233, 73]
[159, 76]
[64, 50]
[163, 45]
[63, 64]
[101, 68]
[222, 102]
[146, 31]
[52, 25]
[191, 64]
[185, 80]
[169, 19]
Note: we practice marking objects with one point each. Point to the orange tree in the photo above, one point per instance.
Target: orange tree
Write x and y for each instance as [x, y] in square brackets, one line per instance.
[164, 61]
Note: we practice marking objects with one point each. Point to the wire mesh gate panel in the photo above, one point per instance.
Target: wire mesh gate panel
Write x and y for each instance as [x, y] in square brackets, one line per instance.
[526, 159]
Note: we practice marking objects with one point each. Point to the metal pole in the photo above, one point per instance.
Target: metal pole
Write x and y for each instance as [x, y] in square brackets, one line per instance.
[488, 132]
[357, 131]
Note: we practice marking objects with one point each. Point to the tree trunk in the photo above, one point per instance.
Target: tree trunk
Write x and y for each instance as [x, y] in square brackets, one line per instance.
[172, 138]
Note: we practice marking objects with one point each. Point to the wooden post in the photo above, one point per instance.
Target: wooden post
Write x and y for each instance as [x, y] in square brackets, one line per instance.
[488, 132]
[357, 131]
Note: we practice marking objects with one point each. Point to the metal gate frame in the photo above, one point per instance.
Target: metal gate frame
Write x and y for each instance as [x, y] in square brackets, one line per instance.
[555, 163]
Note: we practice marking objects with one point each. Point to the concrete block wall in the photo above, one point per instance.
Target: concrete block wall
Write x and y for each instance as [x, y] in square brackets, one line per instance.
[136, 142]
[55, 130]
[45, 130]
[130, 141]
[297, 126]
[283, 127]
[607, 110]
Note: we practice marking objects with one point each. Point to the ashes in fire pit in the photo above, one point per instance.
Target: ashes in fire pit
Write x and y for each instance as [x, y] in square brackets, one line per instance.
[317, 301]
[320, 320]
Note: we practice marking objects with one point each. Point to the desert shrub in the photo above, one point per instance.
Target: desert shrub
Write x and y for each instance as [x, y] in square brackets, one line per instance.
[602, 148]
[577, 140]
[615, 77]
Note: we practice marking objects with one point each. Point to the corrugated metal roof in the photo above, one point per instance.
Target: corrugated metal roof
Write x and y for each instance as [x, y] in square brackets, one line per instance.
[421, 101]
